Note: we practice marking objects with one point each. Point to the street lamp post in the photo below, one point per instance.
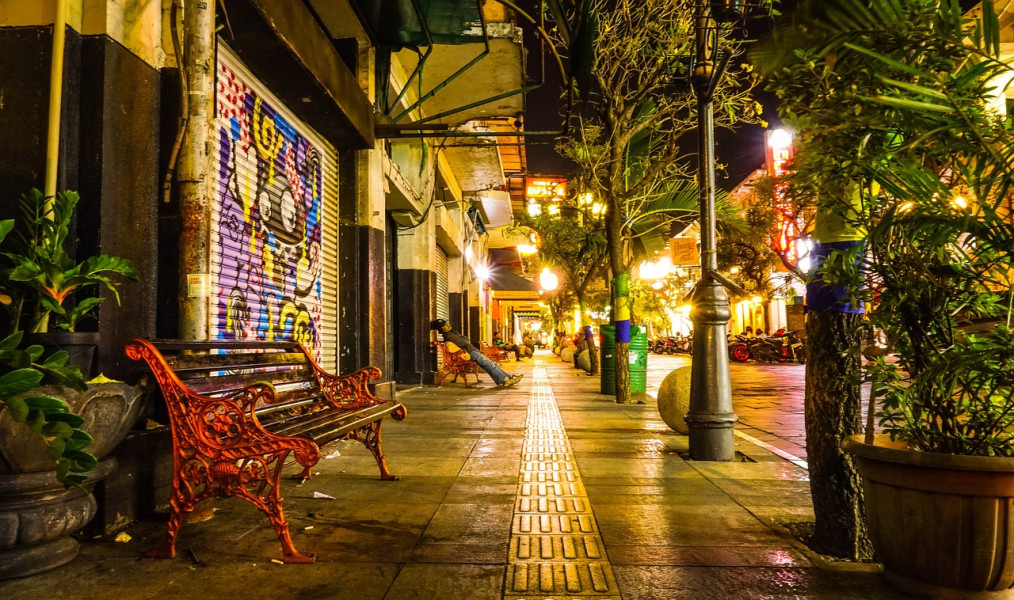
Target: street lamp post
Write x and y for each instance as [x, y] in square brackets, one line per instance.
[710, 418]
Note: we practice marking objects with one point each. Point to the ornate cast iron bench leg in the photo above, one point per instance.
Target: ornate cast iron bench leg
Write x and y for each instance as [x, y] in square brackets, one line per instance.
[272, 507]
[369, 436]
[183, 500]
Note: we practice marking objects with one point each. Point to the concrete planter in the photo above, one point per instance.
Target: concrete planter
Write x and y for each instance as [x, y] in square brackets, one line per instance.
[939, 522]
[37, 514]
[109, 411]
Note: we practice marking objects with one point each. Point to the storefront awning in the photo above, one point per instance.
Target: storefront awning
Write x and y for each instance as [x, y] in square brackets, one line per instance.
[502, 280]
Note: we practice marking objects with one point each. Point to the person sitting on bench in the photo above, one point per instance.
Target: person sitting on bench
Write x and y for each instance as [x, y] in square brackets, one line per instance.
[519, 351]
[500, 377]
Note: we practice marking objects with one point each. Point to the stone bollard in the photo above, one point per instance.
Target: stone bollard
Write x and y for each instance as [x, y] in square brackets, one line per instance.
[674, 399]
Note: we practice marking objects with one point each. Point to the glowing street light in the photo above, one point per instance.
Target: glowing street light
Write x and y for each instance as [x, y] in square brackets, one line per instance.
[548, 280]
[779, 139]
[659, 269]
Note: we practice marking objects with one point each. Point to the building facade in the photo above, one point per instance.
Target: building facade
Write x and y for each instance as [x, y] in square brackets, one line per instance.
[347, 178]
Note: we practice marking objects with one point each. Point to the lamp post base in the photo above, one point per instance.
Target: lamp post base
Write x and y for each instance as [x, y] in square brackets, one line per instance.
[710, 418]
[711, 436]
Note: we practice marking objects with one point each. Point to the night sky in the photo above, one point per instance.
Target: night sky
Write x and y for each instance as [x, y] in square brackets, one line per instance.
[742, 151]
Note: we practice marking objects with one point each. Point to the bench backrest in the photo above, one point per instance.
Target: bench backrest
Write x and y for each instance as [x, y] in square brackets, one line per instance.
[218, 368]
[450, 357]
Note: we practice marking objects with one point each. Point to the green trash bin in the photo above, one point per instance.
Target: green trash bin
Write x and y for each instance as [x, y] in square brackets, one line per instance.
[638, 359]
[607, 360]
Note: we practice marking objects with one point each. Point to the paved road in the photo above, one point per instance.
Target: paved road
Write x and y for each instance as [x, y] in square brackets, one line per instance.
[767, 398]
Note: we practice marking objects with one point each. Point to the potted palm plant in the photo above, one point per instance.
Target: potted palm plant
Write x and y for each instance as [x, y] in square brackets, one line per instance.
[933, 153]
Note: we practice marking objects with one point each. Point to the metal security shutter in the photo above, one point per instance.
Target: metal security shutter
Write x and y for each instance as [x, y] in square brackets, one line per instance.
[443, 312]
[441, 296]
[274, 242]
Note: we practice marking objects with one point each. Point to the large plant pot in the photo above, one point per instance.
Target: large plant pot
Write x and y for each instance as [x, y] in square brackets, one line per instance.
[941, 524]
[37, 515]
[81, 347]
[109, 411]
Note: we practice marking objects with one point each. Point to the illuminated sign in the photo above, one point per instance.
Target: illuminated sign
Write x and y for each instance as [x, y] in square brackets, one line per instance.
[553, 189]
[785, 239]
[684, 252]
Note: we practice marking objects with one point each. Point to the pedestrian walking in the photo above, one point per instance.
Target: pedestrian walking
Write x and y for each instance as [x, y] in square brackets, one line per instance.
[500, 377]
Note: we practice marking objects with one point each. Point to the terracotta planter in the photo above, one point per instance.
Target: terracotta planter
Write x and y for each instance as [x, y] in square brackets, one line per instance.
[941, 524]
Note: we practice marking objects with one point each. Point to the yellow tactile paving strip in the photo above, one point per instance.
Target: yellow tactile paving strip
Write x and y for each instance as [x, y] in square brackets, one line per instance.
[556, 551]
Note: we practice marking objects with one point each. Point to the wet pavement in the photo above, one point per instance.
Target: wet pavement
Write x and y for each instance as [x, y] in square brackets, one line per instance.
[767, 398]
[543, 490]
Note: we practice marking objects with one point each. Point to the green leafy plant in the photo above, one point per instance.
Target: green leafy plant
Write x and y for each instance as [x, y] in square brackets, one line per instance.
[932, 170]
[23, 370]
[42, 277]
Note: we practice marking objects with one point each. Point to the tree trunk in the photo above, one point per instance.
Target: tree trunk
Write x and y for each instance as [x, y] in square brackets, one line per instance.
[622, 368]
[620, 300]
[833, 412]
[621, 352]
[593, 355]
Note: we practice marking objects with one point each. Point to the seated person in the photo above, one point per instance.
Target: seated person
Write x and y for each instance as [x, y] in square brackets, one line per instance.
[500, 377]
[529, 342]
[519, 351]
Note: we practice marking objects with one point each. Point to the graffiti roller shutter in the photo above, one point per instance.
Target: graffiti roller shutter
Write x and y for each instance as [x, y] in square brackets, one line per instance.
[274, 242]
[443, 312]
[441, 294]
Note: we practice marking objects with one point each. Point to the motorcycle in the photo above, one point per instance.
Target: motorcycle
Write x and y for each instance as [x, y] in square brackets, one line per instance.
[739, 348]
[659, 345]
[684, 344]
[781, 347]
[769, 350]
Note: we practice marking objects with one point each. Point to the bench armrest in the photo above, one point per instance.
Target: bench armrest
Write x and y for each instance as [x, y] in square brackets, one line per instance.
[349, 391]
[219, 427]
[227, 427]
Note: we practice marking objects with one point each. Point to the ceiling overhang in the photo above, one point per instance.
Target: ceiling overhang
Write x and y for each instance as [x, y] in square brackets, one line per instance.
[459, 78]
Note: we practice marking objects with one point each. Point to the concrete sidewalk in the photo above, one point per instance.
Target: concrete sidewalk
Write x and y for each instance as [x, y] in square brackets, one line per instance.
[543, 490]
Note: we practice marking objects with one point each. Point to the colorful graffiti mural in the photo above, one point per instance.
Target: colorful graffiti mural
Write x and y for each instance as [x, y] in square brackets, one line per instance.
[267, 229]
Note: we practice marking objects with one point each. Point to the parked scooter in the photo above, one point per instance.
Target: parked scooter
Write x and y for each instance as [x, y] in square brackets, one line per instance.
[794, 348]
[739, 348]
[662, 345]
[781, 347]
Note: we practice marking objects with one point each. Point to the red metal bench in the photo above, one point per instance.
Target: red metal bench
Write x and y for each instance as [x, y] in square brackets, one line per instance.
[456, 363]
[238, 410]
[493, 353]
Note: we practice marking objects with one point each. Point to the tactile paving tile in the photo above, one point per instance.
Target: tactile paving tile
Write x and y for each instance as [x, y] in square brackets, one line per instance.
[557, 547]
[556, 551]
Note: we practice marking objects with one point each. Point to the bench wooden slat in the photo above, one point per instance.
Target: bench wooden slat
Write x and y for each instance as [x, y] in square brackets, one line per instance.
[230, 383]
[214, 362]
[324, 427]
[172, 346]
